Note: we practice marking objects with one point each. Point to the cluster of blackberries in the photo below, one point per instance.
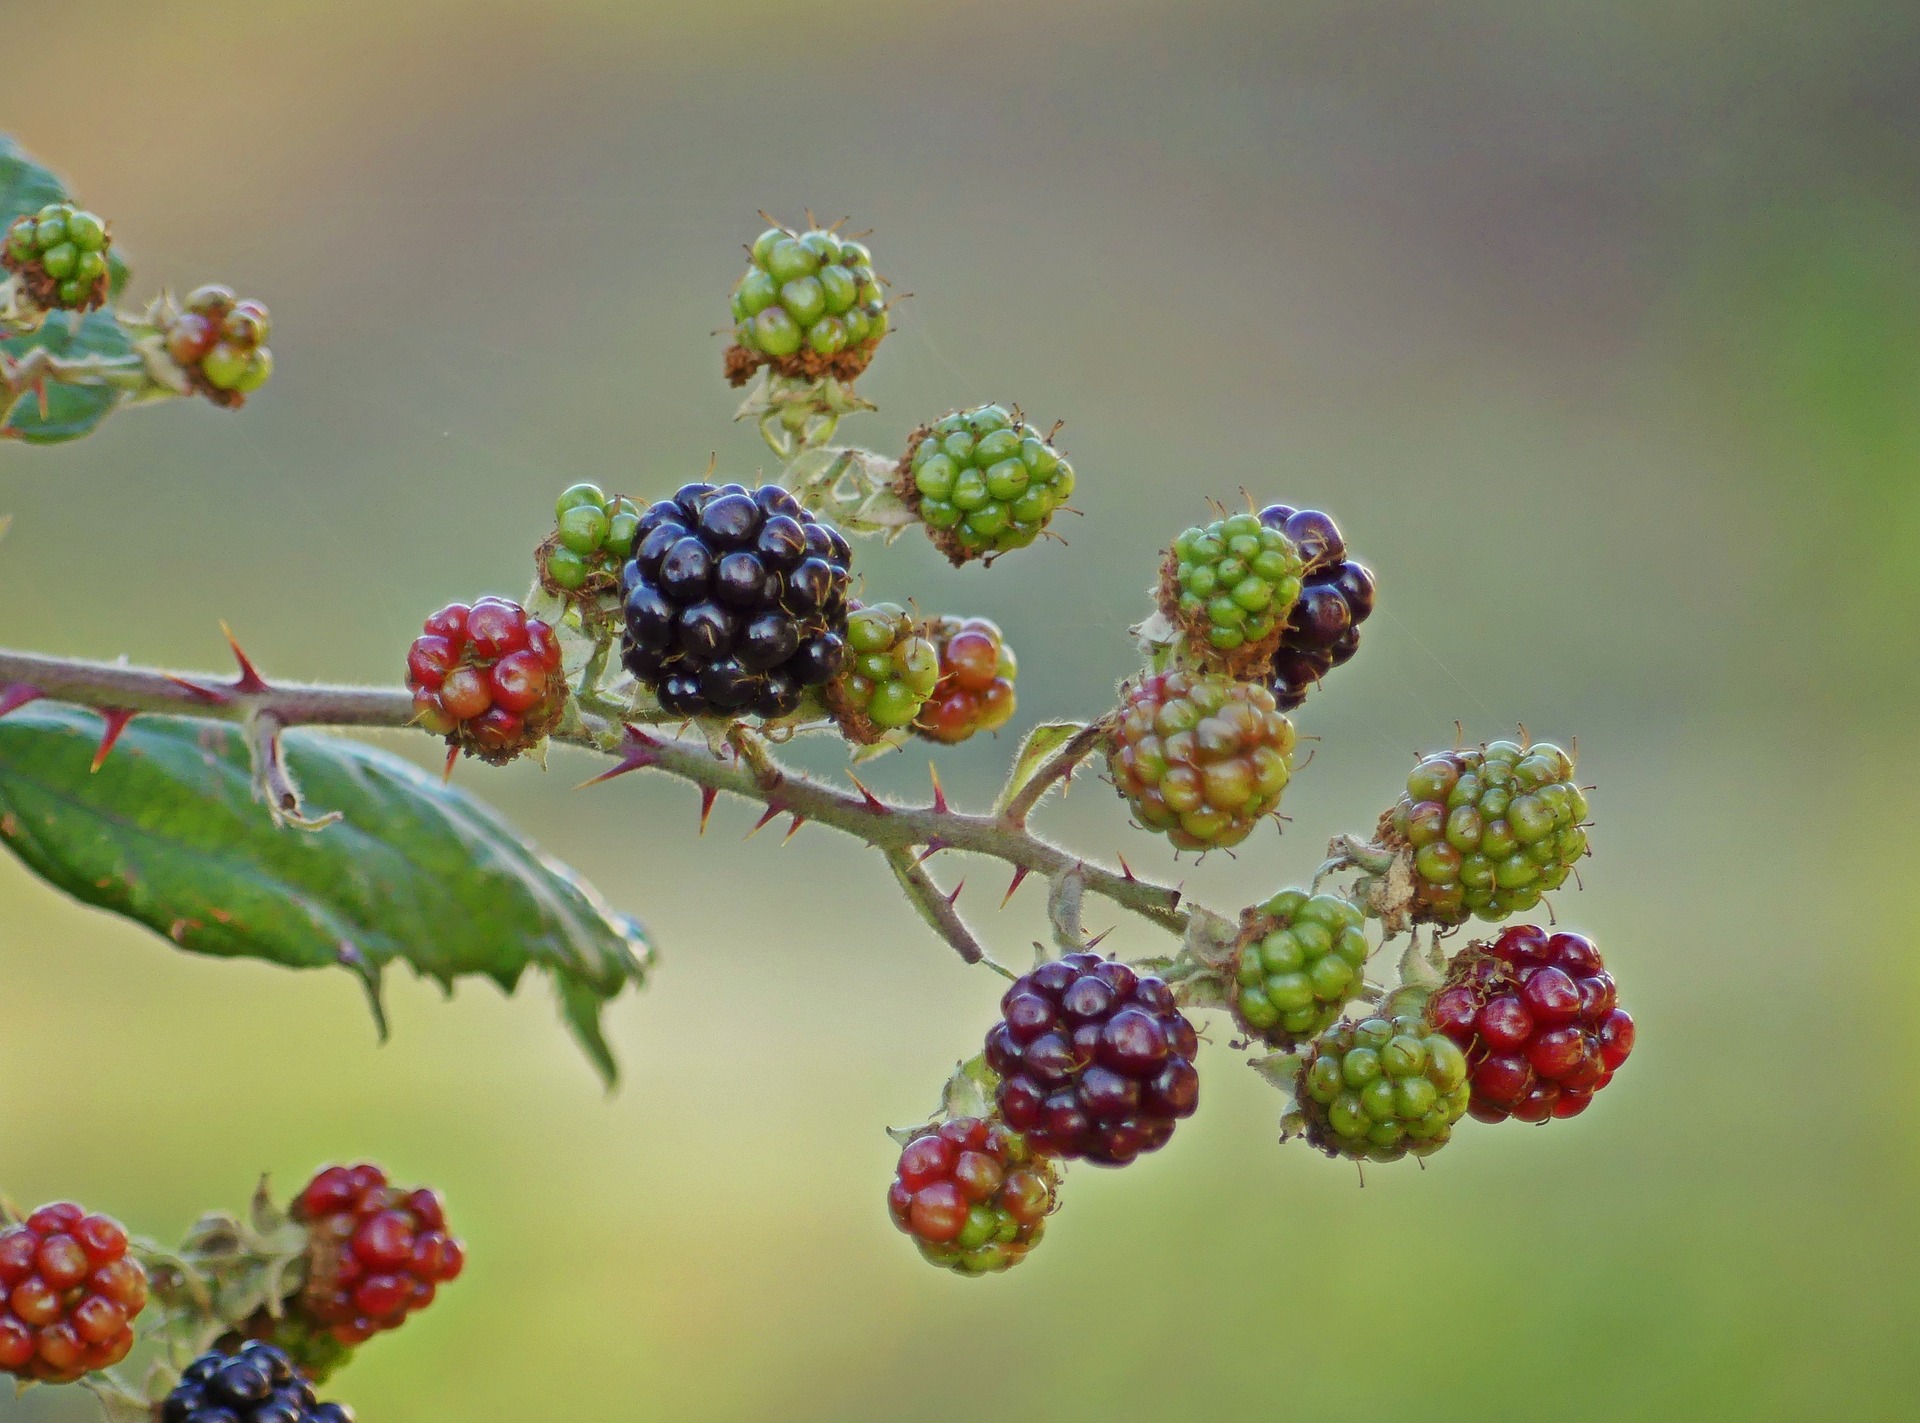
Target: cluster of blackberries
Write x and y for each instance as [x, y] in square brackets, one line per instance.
[258, 1384]
[1322, 630]
[735, 601]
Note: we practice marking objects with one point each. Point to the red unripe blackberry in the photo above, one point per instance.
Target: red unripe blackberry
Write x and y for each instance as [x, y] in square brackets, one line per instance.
[973, 1195]
[1539, 1019]
[220, 342]
[376, 1253]
[487, 678]
[1336, 595]
[1095, 1060]
[1200, 757]
[69, 1293]
[975, 691]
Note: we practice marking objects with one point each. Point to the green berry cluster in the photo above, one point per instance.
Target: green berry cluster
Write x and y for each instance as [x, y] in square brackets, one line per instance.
[592, 537]
[983, 481]
[1230, 585]
[1491, 830]
[1380, 1088]
[61, 252]
[809, 304]
[1299, 962]
[893, 670]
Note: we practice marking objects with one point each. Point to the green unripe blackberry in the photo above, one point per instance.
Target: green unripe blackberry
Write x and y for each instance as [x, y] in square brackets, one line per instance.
[593, 535]
[892, 669]
[1229, 586]
[1301, 959]
[809, 304]
[1489, 830]
[983, 481]
[1380, 1088]
[60, 255]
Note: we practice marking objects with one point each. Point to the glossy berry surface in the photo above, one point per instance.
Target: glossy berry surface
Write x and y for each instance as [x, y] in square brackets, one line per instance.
[1229, 586]
[1200, 757]
[256, 1383]
[735, 601]
[892, 669]
[983, 482]
[1491, 830]
[1301, 959]
[1095, 1061]
[975, 691]
[972, 1195]
[221, 343]
[60, 255]
[593, 535]
[809, 304]
[69, 1293]
[1336, 595]
[376, 1253]
[1378, 1089]
[1539, 1019]
[488, 678]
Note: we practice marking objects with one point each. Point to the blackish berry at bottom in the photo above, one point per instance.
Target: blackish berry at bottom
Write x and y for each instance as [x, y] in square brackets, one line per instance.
[258, 1384]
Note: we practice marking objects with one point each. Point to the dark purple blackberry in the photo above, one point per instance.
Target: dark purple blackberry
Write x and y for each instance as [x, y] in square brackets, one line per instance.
[257, 1384]
[1336, 595]
[1095, 1060]
[736, 601]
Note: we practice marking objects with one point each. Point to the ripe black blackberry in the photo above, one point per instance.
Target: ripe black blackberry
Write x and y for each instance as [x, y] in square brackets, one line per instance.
[1336, 595]
[1094, 1059]
[735, 601]
[256, 1384]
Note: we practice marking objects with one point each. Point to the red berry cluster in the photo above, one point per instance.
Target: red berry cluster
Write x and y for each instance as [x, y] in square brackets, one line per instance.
[1538, 1017]
[975, 690]
[487, 678]
[377, 1253]
[971, 1195]
[1095, 1060]
[221, 343]
[68, 1295]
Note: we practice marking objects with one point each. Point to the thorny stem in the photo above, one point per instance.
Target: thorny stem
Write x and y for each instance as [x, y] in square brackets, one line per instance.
[743, 766]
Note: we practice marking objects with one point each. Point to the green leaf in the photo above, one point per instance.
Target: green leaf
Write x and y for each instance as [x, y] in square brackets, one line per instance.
[1041, 742]
[168, 833]
[72, 410]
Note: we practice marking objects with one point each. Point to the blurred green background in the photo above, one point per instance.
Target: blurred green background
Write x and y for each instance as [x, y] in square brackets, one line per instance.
[1598, 328]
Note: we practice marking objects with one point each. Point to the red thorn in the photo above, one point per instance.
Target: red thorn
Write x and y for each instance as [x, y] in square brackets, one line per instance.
[116, 719]
[874, 803]
[794, 829]
[1094, 942]
[635, 755]
[939, 795]
[250, 680]
[771, 812]
[446, 772]
[212, 696]
[934, 847]
[956, 891]
[708, 794]
[1019, 874]
[15, 695]
[1126, 870]
[40, 392]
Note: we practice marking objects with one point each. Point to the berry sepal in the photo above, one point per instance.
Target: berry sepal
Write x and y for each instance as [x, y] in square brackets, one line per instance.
[798, 413]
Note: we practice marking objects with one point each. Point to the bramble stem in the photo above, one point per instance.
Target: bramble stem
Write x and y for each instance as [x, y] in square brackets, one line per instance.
[744, 767]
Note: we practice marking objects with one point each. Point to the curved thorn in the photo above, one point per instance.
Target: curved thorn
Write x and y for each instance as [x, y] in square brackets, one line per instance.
[874, 803]
[212, 696]
[939, 794]
[446, 772]
[934, 847]
[15, 695]
[249, 680]
[1019, 876]
[708, 794]
[116, 719]
[1126, 870]
[794, 829]
[771, 813]
[637, 752]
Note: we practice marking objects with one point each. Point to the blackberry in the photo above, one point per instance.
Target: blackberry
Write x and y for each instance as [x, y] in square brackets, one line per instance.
[1489, 830]
[975, 691]
[593, 535]
[487, 678]
[1229, 587]
[256, 1383]
[735, 601]
[59, 255]
[221, 343]
[808, 305]
[983, 482]
[376, 1253]
[973, 1195]
[1095, 1060]
[892, 670]
[1378, 1089]
[1300, 960]
[1200, 757]
[69, 1293]
[1539, 1019]
[1336, 596]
